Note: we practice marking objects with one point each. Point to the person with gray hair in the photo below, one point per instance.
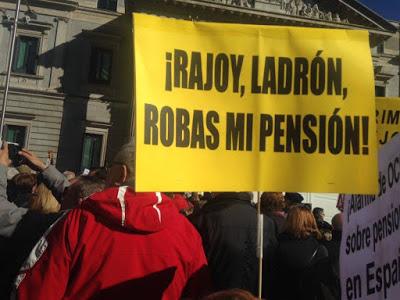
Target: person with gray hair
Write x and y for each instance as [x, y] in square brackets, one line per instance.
[122, 171]
[81, 189]
[118, 242]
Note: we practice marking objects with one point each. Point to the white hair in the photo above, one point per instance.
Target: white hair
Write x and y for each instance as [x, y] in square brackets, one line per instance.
[126, 156]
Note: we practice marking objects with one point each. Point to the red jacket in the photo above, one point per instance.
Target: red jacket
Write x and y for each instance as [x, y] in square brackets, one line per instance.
[117, 245]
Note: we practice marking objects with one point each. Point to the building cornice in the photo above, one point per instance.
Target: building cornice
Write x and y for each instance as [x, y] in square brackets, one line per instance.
[65, 5]
[57, 4]
[102, 12]
[26, 23]
[369, 14]
[280, 18]
[33, 92]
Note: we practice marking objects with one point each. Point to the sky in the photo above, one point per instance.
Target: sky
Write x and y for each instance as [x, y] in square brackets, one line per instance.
[390, 9]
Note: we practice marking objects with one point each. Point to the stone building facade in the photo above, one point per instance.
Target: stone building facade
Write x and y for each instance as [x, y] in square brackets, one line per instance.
[72, 81]
[66, 92]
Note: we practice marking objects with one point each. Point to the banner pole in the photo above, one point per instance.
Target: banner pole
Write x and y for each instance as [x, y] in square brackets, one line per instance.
[10, 61]
[260, 244]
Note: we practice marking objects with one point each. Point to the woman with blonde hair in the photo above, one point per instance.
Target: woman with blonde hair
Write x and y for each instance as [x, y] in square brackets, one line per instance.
[43, 201]
[299, 256]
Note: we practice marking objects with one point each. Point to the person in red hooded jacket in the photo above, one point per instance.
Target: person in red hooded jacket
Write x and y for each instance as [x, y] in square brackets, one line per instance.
[117, 244]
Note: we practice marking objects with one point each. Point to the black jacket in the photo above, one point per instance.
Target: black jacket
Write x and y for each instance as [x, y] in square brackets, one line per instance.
[279, 220]
[304, 271]
[228, 227]
[333, 247]
[16, 248]
[20, 229]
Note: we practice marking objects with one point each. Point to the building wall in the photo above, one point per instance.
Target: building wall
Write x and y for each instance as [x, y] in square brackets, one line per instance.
[87, 105]
[387, 64]
[42, 115]
[32, 101]
[393, 49]
[60, 103]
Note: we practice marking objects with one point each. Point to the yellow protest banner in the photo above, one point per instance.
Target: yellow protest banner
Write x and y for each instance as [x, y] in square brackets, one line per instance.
[387, 118]
[234, 107]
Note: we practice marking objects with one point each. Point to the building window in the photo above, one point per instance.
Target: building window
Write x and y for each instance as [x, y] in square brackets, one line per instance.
[380, 91]
[380, 49]
[100, 65]
[107, 4]
[16, 134]
[92, 151]
[25, 54]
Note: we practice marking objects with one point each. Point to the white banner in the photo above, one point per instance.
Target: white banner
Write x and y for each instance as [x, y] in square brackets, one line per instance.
[370, 250]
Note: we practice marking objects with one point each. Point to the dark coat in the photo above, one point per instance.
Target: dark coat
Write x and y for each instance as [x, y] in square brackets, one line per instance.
[301, 263]
[17, 247]
[228, 226]
[23, 199]
[279, 221]
[20, 233]
[333, 247]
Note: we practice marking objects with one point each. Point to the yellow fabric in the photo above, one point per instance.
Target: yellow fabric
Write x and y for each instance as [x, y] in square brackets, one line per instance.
[173, 92]
[387, 118]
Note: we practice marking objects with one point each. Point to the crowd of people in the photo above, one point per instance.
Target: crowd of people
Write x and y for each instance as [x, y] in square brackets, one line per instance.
[93, 237]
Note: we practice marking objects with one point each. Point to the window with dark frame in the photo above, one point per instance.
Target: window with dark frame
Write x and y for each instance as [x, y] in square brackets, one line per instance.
[16, 134]
[107, 4]
[380, 49]
[100, 65]
[25, 55]
[91, 151]
[380, 91]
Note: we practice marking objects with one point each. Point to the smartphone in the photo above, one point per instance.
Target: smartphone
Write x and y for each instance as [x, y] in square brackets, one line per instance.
[16, 159]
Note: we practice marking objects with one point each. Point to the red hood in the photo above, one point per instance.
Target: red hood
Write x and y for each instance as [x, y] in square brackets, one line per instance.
[121, 206]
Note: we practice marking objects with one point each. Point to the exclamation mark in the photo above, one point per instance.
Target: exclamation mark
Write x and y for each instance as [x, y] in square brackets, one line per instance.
[168, 75]
[365, 122]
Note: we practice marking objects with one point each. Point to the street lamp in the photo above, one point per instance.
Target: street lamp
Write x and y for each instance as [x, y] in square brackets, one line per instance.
[10, 60]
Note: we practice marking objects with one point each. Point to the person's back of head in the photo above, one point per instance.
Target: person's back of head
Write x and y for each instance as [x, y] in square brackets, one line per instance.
[90, 185]
[100, 173]
[301, 223]
[293, 199]
[207, 196]
[122, 171]
[272, 202]
[24, 182]
[24, 169]
[337, 222]
[319, 214]
[44, 201]
[234, 294]
[82, 188]
[246, 196]
[20, 189]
